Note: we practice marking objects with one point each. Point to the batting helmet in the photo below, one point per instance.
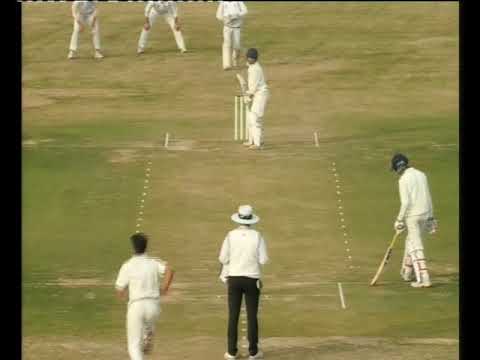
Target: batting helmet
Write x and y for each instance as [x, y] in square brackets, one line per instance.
[399, 162]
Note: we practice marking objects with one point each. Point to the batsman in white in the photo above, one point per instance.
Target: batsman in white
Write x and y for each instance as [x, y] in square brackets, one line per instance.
[138, 280]
[231, 13]
[243, 252]
[85, 13]
[258, 95]
[416, 215]
[168, 9]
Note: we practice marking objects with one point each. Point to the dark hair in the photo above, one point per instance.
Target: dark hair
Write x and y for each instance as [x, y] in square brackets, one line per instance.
[252, 53]
[399, 162]
[139, 242]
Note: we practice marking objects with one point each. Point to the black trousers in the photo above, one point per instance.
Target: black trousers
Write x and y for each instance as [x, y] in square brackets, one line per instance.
[237, 287]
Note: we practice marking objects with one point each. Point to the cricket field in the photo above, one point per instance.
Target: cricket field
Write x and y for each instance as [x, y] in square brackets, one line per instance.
[370, 78]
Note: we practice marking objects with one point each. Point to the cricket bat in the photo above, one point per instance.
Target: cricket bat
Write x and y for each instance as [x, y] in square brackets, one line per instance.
[385, 259]
[242, 82]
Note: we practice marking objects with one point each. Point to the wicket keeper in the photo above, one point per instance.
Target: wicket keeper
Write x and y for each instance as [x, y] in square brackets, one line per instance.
[85, 13]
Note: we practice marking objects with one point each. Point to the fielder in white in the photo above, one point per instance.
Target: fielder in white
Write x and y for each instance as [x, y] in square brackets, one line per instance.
[231, 13]
[416, 215]
[168, 9]
[85, 13]
[258, 95]
[139, 281]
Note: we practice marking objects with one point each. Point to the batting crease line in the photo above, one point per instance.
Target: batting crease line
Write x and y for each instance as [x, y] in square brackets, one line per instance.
[353, 283]
[342, 298]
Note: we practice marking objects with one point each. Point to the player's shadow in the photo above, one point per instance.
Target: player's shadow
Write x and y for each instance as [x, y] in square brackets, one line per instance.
[317, 352]
[149, 51]
[160, 51]
[445, 279]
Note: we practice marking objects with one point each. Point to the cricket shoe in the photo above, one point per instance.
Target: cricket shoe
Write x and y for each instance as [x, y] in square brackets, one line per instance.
[71, 55]
[255, 147]
[258, 355]
[228, 356]
[425, 284]
[183, 51]
[98, 55]
[140, 51]
[247, 144]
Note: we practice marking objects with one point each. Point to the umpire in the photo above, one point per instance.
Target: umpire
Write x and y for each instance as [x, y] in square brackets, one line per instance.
[243, 251]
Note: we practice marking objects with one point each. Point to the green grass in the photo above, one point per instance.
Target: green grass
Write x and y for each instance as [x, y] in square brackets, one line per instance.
[371, 78]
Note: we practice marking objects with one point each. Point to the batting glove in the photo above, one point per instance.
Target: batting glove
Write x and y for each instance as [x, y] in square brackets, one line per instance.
[432, 225]
[399, 225]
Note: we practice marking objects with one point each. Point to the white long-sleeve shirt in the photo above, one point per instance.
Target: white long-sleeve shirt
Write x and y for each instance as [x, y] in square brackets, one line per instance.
[161, 8]
[243, 251]
[256, 79]
[83, 8]
[141, 274]
[231, 13]
[414, 194]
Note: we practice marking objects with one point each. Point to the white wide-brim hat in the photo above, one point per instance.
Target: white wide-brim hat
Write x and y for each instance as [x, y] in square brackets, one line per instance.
[245, 216]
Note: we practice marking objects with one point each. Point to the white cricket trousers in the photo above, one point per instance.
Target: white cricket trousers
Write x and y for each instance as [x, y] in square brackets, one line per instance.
[170, 20]
[142, 316]
[92, 22]
[255, 117]
[231, 46]
[413, 257]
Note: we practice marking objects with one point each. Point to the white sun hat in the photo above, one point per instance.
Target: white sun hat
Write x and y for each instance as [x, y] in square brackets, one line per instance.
[245, 216]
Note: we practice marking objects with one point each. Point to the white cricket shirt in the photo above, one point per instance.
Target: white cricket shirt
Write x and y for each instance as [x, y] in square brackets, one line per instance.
[141, 274]
[244, 250]
[84, 8]
[414, 194]
[231, 13]
[161, 8]
[256, 79]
